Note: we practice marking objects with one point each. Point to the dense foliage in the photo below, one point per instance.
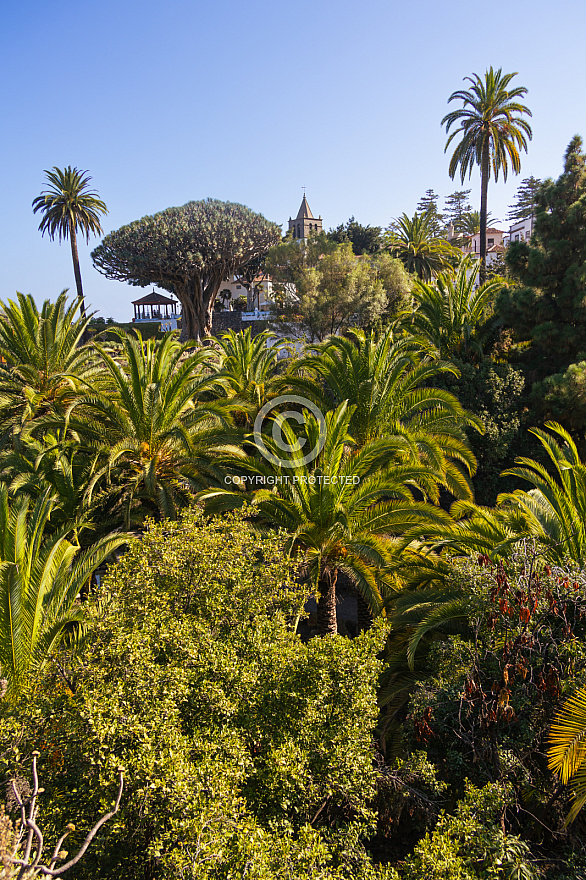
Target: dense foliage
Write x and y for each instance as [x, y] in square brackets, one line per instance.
[546, 308]
[364, 239]
[244, 750]
[321, 288]
[315, 591]
[422, 250]
[481, 709]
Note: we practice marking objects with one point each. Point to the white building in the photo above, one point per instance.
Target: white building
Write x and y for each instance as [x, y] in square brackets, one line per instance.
[258, 296]
[495, 245]
[522, 230]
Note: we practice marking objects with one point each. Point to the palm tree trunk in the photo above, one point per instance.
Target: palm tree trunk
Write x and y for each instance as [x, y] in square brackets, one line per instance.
[76, 269]
[484, 172]
[364, 617]
[327, 623]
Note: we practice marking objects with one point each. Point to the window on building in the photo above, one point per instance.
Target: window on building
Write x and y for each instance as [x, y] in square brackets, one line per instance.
[490, 241]
[517, 237]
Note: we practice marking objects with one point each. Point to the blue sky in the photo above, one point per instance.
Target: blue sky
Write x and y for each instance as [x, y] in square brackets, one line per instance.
[250, 101]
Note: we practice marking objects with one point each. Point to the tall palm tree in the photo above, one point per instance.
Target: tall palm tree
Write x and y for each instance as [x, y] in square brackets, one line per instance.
[414, 242]
[45, 365]
[69, 206]
[493, 132]
[40, 578]
[157, 441]
[451, 310]
[388, 382]
[341, 510]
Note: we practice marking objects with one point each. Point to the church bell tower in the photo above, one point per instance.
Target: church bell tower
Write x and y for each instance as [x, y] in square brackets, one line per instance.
[305, 224]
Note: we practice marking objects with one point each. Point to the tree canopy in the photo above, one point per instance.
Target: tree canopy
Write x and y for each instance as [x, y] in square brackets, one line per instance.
[364, 239]
[548, 308]
[323, 288]
[414, 242]
[457, 205]
[188, 251]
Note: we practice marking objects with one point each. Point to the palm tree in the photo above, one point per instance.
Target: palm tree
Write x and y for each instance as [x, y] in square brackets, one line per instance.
[340, 511]
[493, 131]
[452, 309]
[418, 616]
[554, 511]
[45, 365]
[157, 441]
[469, 225]
[248, 370]
[388, 382]
[473, 530]
[40, 579]
[69, 206]
[420, 250]
[567, 748]
[64, 468]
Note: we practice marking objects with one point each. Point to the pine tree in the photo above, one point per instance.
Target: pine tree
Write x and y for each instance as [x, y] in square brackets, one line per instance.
[427, 206]
[364, 239]
[457, 205]
[548, 309]
[525, 199]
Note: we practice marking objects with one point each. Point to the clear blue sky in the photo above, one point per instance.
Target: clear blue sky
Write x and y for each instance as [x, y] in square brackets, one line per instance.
[250, 101]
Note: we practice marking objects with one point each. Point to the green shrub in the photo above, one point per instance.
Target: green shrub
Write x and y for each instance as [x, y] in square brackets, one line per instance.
[470, 844]
[245, 751]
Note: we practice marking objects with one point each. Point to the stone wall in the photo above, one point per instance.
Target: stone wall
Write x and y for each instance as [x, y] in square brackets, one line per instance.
[223, 321]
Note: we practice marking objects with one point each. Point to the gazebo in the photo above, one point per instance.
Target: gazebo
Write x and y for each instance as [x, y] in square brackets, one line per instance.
[150, 307]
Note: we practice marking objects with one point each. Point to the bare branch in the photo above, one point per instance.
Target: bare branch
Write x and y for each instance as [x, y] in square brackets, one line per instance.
[35, 833]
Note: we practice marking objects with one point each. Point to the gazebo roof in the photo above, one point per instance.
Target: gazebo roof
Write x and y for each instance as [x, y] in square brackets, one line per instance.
[154, 299]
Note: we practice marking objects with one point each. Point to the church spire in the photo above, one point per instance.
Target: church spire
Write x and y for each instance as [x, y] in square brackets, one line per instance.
[305, 224]
[304, 212]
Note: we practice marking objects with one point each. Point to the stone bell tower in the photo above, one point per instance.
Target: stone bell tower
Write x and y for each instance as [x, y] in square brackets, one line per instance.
[305, 224]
